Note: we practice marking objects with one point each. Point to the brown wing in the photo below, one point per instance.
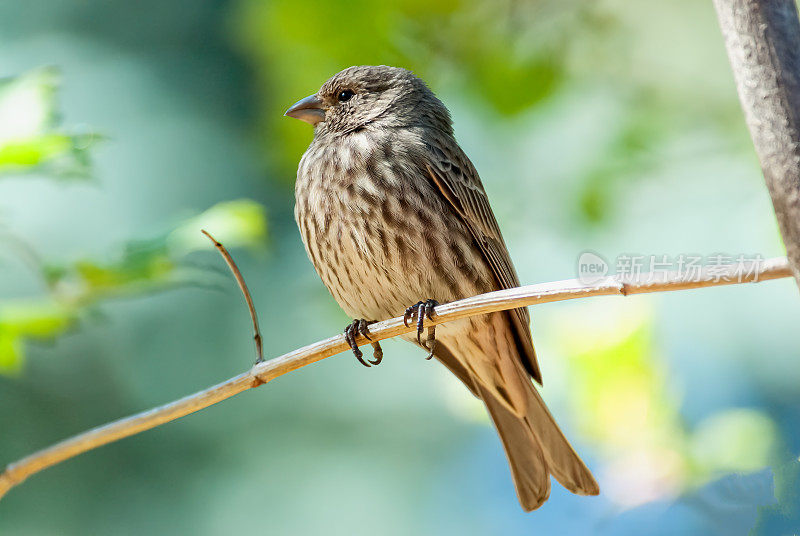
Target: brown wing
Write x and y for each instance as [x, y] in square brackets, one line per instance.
[456, 177]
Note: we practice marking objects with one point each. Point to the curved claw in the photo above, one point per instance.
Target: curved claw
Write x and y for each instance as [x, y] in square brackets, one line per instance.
[411, 312]
[362, 328]
[357, 327]
[420, 322]
[420, 311]
[377, 353]
[350, 337]
[430, 342]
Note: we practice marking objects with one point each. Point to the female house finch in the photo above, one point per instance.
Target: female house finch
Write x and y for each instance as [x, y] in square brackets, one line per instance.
[392, 211]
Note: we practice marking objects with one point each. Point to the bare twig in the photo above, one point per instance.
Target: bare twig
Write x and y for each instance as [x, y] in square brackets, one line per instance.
[762, 38]
[485, 303]
[245, 291]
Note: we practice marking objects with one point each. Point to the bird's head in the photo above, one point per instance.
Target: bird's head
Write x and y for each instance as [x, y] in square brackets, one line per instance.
[371, 97]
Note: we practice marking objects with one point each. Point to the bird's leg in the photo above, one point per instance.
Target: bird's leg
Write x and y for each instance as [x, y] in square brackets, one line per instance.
[359, 326]
[420, 311]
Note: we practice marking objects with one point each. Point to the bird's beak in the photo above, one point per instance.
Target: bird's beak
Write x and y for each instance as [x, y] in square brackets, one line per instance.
[311, 110]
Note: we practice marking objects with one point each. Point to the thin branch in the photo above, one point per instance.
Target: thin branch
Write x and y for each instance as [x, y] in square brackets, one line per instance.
[245, 291]
[261, 373]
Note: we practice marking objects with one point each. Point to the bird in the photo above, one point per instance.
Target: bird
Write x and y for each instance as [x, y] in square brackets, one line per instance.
[395, 220]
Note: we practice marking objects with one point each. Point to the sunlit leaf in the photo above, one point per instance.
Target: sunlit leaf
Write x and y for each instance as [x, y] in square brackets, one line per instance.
[239, 223]
[126, 272]
[11, 355]
[28, 319]
[35, 318]
[33, 151]
[27, 104]
[30, 136]
[144, 265]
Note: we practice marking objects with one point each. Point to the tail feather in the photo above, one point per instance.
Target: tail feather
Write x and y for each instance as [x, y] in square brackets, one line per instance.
[534, 444]
[525, 455]
[535, 448]
[562, 460]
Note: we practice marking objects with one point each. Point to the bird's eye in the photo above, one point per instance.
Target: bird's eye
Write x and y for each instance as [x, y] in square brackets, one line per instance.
[345, 95]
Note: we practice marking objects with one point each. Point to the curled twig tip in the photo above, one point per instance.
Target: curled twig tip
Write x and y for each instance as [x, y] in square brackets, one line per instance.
[237, 274]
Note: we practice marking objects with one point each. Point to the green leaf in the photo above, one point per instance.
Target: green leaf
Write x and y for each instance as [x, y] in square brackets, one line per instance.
[239, 223]
[30, 135]
[144, 266]
[11, 355]
[40, 318]
[25, 319]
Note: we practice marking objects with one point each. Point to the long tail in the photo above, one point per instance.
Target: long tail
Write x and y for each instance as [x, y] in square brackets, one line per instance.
[536, 448]
[534, 444]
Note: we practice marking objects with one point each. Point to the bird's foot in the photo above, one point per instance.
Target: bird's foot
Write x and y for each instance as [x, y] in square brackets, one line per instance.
[419, 312]
[357, 327]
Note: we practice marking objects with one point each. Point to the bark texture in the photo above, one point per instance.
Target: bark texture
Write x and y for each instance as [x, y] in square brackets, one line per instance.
[762, 38]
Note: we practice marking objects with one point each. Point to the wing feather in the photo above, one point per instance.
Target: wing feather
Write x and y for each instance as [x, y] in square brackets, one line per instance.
[458, 181]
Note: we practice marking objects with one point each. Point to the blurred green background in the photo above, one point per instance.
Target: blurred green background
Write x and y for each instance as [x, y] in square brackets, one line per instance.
[609, 126]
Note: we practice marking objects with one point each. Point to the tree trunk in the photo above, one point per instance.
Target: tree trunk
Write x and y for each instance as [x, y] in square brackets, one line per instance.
[762, 38]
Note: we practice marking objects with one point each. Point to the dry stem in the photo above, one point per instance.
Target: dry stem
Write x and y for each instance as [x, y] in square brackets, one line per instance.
[245, 291]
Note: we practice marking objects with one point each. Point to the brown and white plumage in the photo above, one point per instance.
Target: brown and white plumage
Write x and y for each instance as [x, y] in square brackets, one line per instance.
[392, 211]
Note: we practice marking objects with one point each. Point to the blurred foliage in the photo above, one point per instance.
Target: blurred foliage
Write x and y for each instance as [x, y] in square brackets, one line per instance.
[144, 266]
[634, 148]
[30, 137]
[28, 120]
[497, 45]
[735, 440]
[22, 320]
[625, 405]
[239, 223]
[786, 512]
[508, 56]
